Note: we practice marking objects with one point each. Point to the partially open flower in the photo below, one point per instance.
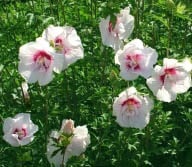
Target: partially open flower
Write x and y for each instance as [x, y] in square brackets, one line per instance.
[135, 59]
[18, 131]
[174, 77]
[67, 126]
[38, 61]
[132, 109]
[66, 42]
[112, 36]
[68, 142]
[24, 88]
[79, 142]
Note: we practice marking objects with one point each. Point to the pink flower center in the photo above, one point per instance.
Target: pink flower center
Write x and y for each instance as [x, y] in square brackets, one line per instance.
[133, 62]
[168, 72]
[60, 46]
[43, 60]
[20, 132]
[112, 30]
[110, 27]
[131, 104]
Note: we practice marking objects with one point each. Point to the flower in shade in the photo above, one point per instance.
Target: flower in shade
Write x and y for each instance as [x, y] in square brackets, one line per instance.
[132, 109]
[19, 131]
[66, 42]
[113, 36]
[38, 61]
[136, 59]
[69, 141]
[67, 126]
[173, 78]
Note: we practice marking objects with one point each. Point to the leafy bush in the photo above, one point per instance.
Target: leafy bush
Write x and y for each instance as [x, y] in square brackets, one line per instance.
[85, 91]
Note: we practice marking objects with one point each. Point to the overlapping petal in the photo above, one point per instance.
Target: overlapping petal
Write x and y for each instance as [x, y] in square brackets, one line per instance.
[167, 81]
[78, 139]
[18, 131]
[136, 60]
[66, 42]
[38, 61]
[132, 109]
[112, 36]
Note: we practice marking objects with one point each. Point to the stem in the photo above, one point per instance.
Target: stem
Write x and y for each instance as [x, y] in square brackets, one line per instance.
[45, 108]
[128, 84]
[169, 32]
[138, 19]
[46, 119]
[19, 155]
[62, 164]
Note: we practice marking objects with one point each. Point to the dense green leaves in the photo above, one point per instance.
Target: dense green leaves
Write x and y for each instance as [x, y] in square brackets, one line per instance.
[86, 90]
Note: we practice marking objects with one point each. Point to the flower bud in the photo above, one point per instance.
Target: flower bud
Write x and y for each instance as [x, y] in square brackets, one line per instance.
[67, 126]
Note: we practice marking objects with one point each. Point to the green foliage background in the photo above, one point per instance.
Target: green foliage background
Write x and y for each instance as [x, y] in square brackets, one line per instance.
[85, 91]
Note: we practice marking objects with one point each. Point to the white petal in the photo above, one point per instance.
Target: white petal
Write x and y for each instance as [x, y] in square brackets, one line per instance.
[136, 43]
[45, 77]
[105, 34]
[146, 73]
[32, 128]
[182, 86]
[55, 134]
[57, 159]
[27, 50]
[154, 85]
[128, 75]
[169, 63]
[139, 121]
[8, 125]
[117, 55]
[26, 140]
[165, 95]
[186, 64]
[151, 57]
[58, 63]
[11, 140]
[79, 144]
[116, 44]
[52, 32]
[24, 116]
[72, 37]
[72, 56]
[81, 131]
[125, 23]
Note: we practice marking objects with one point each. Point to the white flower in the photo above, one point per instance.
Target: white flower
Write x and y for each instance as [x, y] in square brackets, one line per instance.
[37, 62]
[132, 109]
[135, 60]
[77, 144]
[123, 28]
[66, 42]
[172, 78]
[18, 131]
